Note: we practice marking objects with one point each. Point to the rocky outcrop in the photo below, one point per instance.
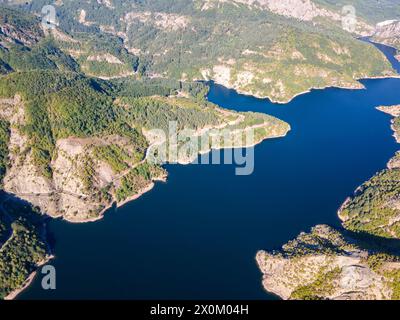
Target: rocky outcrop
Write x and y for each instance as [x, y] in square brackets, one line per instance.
[388, 33]
[12, 34]
[394, 111]
[324, 264]
[67, 193]
[16, 28]
[106, 57]
[304, 10]
[161, 20]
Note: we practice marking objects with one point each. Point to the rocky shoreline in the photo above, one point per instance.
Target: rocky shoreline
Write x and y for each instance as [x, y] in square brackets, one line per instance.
[14, 294]
[329, 264]
[274, 131]
[358, 86]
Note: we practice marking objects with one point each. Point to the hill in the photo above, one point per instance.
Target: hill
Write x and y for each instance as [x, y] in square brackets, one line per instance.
[274, 49]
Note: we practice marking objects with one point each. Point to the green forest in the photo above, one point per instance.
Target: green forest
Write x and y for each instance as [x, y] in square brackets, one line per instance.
[270, 47]
[370, 210]
[24, 249]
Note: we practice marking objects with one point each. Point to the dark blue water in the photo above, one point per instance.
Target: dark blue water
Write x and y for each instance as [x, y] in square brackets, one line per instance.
[197, 235]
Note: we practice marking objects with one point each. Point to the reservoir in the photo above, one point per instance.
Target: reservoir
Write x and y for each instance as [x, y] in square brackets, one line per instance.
[196, 236]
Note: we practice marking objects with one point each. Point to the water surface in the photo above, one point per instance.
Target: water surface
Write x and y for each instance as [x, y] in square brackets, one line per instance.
[196, 236]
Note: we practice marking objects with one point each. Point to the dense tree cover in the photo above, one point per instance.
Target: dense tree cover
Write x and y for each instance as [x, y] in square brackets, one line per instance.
[138, 179]
[156, 113]
[138, 88]
[87, 173]
[373, 209]
[133, 88]
[24, 46]
[4, 139]
[4, 228]
[23, 250]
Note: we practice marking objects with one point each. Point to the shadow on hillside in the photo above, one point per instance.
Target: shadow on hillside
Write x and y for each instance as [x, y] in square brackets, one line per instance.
[13, 208]
[374, 243]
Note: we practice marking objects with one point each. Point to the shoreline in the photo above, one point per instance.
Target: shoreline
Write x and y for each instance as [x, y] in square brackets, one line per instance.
[309, 90]
[162, 179]
[118, 204]
[101, 215]
[28, 281]
[14, 294]
[283, 102]
[142, 192]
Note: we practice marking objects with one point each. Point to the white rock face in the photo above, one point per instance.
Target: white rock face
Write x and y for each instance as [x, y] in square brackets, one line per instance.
[222, 75]
[386, 23]
[106, 57]
[107, 3]
[304, 10]
[388, 29]
[163, 21]
[327, 265]
[388, 32]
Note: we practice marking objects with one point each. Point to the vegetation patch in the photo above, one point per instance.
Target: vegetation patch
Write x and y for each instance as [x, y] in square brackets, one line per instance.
[323, 285]
[138, 179]
[23, 250]
[374, 209]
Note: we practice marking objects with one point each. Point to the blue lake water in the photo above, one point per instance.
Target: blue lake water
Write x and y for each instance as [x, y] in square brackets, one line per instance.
[196, 236]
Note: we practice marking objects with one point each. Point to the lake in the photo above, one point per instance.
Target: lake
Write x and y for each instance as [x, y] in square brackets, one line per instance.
[196, 236]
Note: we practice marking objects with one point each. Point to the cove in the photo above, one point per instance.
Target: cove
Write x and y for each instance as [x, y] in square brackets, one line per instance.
[196, 236]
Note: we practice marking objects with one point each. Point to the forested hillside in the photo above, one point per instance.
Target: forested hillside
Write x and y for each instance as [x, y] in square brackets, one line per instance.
[266, 50]
[72, 145]
[78, 102]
